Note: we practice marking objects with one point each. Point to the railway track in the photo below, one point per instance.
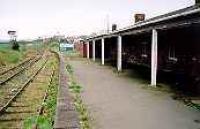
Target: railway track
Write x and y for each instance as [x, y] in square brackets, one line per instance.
[28, 99]
[4, 70]
[16, 80]
[12, 72]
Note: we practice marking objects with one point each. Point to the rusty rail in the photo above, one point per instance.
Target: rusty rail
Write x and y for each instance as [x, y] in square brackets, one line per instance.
[2, 109]
[31, 61]
[18, 65]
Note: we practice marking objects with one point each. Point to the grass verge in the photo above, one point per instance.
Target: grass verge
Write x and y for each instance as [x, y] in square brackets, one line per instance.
[8, 56]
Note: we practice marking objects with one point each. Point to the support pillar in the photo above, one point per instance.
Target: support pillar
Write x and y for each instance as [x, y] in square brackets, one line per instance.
[88, 50]
[119, 53]
[102, 51]
[93, 50]
[154, 51]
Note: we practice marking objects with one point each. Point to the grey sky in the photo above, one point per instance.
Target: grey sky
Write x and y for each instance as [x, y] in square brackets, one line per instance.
[33, 18]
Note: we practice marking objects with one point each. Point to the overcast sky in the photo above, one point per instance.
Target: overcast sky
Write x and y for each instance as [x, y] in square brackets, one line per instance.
[33, 18]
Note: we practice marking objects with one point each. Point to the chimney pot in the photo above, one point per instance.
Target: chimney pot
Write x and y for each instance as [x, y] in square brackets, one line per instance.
[114, 27]
[139, 17]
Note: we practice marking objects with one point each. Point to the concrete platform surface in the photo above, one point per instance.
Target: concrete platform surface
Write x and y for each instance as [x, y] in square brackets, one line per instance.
[118, 102]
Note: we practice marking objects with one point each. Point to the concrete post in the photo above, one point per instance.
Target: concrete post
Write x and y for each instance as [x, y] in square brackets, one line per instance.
[88, 50]
[154, 51]
[93, 50]
[102, 51]
[119, 53]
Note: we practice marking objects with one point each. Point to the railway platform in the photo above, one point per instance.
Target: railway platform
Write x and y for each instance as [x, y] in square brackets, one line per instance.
[116, 101]
[66, 116]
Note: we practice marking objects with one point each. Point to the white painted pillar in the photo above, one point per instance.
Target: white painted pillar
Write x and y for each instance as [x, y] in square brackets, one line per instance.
[119, 53]
[102, 51]
[88, 50]
[154, 51]
[93, 50]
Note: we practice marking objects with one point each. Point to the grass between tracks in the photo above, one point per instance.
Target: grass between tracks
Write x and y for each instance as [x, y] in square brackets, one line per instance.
[46, 119]
[76, 89]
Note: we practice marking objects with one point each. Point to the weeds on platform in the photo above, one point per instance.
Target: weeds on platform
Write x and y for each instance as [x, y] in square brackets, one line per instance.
[76, 89]
[192, 105]
[83, 113]
[69, 69]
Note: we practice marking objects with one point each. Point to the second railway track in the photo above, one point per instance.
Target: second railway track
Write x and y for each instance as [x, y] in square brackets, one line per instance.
[28, 99]
[11, 73]
[11, 86]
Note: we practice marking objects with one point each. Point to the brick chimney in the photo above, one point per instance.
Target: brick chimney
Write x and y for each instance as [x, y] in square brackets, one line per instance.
[114, 27]
[139, 17]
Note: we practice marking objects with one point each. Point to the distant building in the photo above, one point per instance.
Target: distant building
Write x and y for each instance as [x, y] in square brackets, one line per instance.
[81, 46]
[66, 45]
